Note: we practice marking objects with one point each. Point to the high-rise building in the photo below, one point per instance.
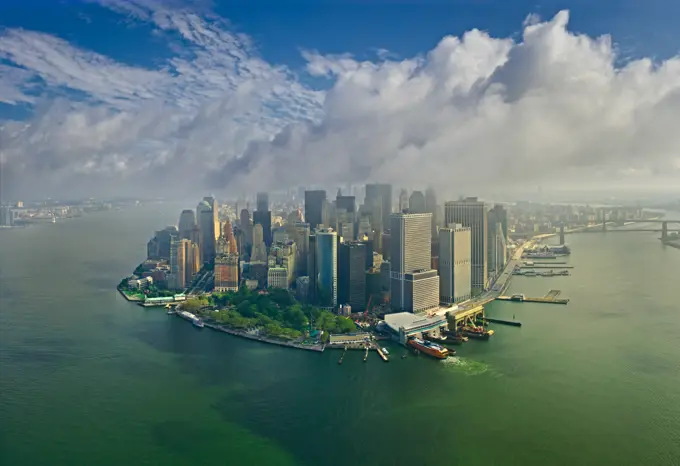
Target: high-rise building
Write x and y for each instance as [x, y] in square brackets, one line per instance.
[226, 273]
[187, 223]
[314, 207]
[259, 253]
[277, 277]
[302, 241]
[327, 267]
[417, 203]
[403, 200]
[414, 285]
[262, 202]
[6, 216]
[264, 218]
[246, 227]
[346, 203]
[497, 246]
[472, 213]
[159, 246]
[283, 255]
[431, 207]
[193, 262]
[455, 264]
[207, 225]
[215, 211]
[352, 275]
[312, 270]
[380, 194]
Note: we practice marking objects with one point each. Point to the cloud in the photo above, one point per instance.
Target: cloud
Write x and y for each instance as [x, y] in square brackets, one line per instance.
[479, 113]
[476, 113]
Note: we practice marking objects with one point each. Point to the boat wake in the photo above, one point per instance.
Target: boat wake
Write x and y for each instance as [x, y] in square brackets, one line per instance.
[465, 366]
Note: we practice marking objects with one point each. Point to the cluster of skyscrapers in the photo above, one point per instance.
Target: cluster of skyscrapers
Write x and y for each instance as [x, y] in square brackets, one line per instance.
[337, 253]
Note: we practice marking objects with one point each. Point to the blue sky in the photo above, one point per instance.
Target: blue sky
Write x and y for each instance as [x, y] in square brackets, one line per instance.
[162, 72]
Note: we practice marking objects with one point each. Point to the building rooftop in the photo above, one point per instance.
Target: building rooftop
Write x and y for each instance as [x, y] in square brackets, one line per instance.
[412, 322]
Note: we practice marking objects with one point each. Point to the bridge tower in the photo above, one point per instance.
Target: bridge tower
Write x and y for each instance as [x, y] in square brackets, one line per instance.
[562, 233]
[604, 221]
[664, 231]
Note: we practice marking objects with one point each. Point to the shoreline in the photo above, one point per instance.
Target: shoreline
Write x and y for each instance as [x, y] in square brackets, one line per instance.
[127, 298]
[271, 341]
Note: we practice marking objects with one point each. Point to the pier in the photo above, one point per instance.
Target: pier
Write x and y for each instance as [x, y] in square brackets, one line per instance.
[512, 323]
[546, 266]
[550, 298]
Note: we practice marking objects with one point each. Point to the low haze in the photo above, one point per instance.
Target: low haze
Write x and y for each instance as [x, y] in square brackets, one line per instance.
[505, 111]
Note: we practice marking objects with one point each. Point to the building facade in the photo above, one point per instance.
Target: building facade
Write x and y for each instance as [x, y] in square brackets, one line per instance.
[314, 207]
[326, 267]
[352, 275]
[455, 264]
[472, 214]
[414, 285]
[226, 273]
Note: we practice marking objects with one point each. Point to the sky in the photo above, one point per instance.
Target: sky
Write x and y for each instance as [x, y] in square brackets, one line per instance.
[181, 97]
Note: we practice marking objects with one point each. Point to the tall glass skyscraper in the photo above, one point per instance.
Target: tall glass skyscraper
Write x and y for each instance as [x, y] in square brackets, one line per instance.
[327, 267]
[314, 206]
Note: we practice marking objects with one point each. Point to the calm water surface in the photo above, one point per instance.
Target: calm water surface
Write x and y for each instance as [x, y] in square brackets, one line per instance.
[87, 378]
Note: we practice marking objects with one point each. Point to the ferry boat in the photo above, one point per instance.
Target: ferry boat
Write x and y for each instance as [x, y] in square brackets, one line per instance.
[429, 348]
[198, 323]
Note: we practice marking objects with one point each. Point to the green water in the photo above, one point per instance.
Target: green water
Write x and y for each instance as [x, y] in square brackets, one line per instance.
[89, 379]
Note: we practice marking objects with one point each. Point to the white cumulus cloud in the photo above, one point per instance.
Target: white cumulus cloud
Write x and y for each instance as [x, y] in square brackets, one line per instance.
[476, 113]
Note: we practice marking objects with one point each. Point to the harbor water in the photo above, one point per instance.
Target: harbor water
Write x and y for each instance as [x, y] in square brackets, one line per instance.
[88, 378]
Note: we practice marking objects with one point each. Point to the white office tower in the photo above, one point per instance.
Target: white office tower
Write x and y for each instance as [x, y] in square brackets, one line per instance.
[472, 213]
[414, 285]
[455, 264]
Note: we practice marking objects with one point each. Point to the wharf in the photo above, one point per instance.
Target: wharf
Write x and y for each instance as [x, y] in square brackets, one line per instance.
[512, 323]
[547, 266]
[550, 298]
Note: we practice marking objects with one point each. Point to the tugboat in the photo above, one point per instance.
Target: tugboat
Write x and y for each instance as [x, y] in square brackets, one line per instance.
[478, 333]
[454, 338]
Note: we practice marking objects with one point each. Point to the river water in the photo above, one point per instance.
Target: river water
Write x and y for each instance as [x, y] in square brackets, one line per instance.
[87, 378]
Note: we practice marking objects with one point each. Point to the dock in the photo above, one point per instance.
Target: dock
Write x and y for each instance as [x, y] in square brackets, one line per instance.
[546, 266]
[550, 298]
[512, 323]
[366, 354]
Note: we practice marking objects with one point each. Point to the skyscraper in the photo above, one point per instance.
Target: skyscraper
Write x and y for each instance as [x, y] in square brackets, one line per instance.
[352, 275]
[314, 207]
[327, 267]
[414, 285]
[472, 213]
[455, 264]
[417, 203]
[207, 225]
[403, 200]
[431, 207]
[226, 273]
[262, 202]
[302, 241]
[259, 253]
[380, 194]
[187, 223]
[215, 211]
[246, 227]
[264, 218]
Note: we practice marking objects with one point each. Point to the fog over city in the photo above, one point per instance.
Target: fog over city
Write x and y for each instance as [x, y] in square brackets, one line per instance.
[476, 113]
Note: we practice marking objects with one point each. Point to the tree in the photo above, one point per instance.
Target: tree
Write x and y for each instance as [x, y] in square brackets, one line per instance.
[193, 305]
[294, 317]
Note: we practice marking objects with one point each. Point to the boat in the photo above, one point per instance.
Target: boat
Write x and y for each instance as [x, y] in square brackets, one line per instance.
[517, 297]
[384, 350]
[381, 353]
[198, 323]
[478, 333]
[429, 348]
[454, 338]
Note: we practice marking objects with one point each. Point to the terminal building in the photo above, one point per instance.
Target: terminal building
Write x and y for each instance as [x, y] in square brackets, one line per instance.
[403, 325]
